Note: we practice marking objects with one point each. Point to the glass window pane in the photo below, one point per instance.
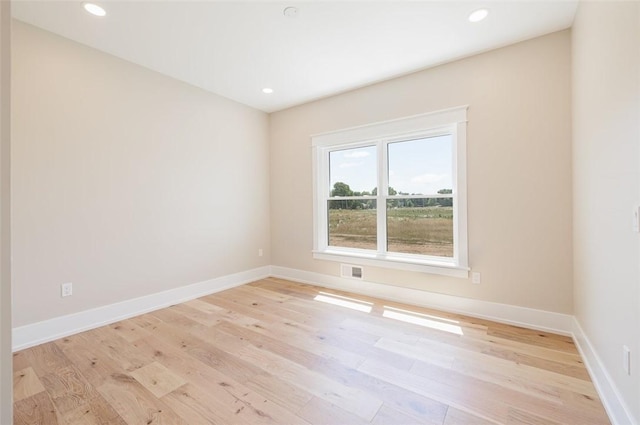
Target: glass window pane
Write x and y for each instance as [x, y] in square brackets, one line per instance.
[421, 166]
[420, 226]
[352, 223]
[352, 172]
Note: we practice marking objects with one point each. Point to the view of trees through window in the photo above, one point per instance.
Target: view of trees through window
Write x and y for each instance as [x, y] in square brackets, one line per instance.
[417, 220]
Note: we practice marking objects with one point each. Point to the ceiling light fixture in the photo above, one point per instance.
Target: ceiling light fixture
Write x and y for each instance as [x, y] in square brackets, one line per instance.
[290, 12]
[94, 9]
[267, 90]
[478, 15]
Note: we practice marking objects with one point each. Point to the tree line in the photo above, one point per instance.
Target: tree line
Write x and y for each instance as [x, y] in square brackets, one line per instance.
[341, 189]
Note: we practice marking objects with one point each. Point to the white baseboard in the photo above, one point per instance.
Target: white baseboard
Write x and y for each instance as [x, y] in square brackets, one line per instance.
[619, 413]
[503, 313]
[59, 327]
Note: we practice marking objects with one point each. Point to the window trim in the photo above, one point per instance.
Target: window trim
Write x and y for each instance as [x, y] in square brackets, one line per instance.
[453, 121]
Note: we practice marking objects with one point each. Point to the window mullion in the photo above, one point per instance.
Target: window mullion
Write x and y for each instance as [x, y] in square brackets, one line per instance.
[383, 190]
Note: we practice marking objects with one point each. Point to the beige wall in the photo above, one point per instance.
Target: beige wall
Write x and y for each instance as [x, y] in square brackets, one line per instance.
[6, 372]
[519, 170]
[606, 158]
[126, 182]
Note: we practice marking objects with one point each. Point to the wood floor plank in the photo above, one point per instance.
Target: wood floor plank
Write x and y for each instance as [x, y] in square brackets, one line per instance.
[45, 357]
[128, 330]
[20, 360]
[459, 417]
[67, 388]
[135, 404]
[348, 398]
[321, 412]
[251, 407]
[89, 358]
[275, 296]
[289, 313]
[417, 353]
[299, 344]
[26, 384]
[206, 319]
[280, 352]
[95, 411]
[389, 416]
[576, 371]
[521, 417]
[158, 379]
[118, 349]
[348, 339]
[482, 390]
[189, 403]
[383, 329]
[546, 353]
[412, 404]
[222, 395]
[536, 338]
[537, 382]
[35, 410]
[581, 401]
[484, 406]
[281, 392]
[209, 353]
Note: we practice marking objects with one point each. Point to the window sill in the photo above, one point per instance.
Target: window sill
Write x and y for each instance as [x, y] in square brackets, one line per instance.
[389, 262]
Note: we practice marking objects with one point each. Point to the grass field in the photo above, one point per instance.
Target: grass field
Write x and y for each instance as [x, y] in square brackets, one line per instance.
[424, 230]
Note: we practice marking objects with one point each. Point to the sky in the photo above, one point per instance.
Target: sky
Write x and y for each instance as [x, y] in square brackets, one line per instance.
[416, 166]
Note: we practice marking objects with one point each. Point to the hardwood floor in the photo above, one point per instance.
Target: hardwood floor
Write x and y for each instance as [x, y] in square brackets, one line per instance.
[278, 352]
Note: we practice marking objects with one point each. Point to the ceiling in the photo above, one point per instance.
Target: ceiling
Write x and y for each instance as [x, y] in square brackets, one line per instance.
[236, 48]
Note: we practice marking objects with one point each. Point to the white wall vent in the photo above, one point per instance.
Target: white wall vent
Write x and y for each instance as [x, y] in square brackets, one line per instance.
[352, 272]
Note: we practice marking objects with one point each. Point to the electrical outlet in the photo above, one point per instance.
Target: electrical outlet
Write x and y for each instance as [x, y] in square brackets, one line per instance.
[66, 289]
[626, 359]
[475, 277]
[260, 253]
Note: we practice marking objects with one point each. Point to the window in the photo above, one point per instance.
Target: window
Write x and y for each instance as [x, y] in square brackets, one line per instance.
[393, 194]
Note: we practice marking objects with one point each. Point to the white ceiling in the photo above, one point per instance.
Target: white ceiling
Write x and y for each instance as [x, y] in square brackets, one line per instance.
[236, 48]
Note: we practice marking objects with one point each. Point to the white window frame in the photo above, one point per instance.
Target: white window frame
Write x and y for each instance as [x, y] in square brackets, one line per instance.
[449, 121]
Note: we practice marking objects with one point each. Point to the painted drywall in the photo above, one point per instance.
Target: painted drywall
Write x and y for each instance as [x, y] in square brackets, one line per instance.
[606, 185]
[126, 182]
[519, 170]
[6, 372]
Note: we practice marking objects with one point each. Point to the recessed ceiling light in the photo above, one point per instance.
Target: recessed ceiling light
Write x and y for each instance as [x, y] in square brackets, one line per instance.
[267, 90]
[94, 9]
[478, 15]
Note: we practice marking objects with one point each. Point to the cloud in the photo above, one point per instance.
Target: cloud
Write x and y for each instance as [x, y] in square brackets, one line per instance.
[357, 154]
[350, 164]
[428, 178]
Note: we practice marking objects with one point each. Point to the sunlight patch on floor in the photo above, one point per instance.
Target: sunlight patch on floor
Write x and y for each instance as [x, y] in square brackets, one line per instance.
[433, 322]
[347, 302]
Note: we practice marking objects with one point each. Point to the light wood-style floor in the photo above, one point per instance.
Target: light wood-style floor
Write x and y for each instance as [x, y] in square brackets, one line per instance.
[277, 352]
